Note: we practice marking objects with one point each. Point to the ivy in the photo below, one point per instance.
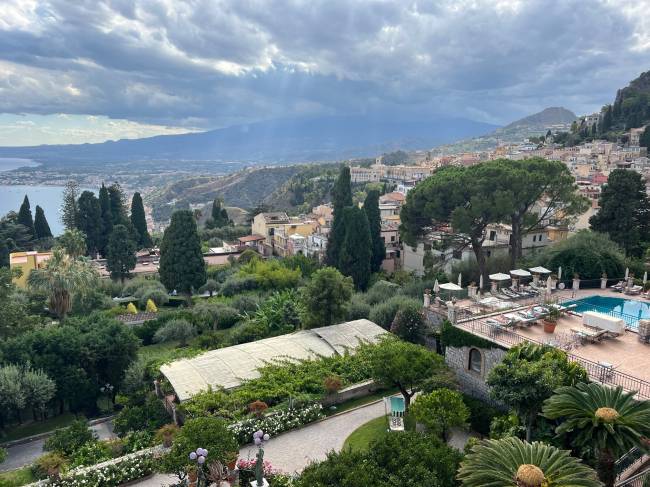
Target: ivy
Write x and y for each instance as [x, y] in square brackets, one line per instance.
[452, 336]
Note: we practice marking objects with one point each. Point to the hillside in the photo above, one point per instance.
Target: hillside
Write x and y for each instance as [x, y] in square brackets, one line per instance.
[542, 120]
[273, 141]
[631, 106]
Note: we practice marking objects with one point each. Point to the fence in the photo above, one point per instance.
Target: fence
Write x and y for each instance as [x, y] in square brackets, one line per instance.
[596, 371]
[632, 460]
[639, 480]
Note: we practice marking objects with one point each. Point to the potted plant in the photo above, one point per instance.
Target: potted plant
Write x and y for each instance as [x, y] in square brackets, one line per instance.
[550, 320]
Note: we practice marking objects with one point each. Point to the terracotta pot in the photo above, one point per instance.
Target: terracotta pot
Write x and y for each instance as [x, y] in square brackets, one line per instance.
[231, 465]
[192, 476]
[549, 326]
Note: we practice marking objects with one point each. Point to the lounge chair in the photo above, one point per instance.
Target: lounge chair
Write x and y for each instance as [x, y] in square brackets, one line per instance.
[590, 336]
[618, 287]
[634, 290]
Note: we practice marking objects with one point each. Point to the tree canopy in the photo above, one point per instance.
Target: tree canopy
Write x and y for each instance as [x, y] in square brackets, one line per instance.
[341, 198]
[139, 222]
[89, 221]
[69, 209]
[355, 253]
[325, 298]
[25, 216]
[371, 207]
[41, 227]
[218, 216]
[120, 253]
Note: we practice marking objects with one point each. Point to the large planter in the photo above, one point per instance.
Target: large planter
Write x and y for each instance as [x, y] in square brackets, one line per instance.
[549, 326]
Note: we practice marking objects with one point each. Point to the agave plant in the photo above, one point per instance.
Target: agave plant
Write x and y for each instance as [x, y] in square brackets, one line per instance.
[604, 419]
[517, 463]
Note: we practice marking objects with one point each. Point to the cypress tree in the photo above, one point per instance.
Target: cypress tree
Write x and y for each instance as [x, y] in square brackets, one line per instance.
[120, 253]
[139, 222]
[106, 217]
[356, 253]
[341, 198]
[118, 211]
[219, 216]
[25, 216]
[182, 267]
[4, 253]
[69, 207]
[371, 208]
[89, 221]
[41, 227]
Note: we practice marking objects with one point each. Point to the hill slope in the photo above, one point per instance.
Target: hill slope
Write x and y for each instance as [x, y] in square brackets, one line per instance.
[541, 120]
[287, 140]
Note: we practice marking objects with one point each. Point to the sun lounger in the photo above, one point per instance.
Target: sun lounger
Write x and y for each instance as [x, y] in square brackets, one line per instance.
[588, 335]
[527, 317]
[618, 287]
[634, 290]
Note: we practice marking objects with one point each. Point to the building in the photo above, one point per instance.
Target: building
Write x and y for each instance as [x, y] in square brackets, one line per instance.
[265, 224]
[635, 135]
[26, 262]
[365, 175]
[255, 242]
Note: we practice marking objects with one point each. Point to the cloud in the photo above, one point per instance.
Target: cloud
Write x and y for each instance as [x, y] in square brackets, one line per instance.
[211, 63]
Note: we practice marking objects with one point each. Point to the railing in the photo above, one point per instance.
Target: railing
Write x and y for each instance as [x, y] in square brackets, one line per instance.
[631, 321]
[639, 480]
[596, 371]
[632, 459]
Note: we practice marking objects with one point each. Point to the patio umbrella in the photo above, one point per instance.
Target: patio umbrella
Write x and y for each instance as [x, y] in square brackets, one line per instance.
[627, 273]
[539, 270]
[436, 287]
[460, 279]
[549, 285]
[520, 273]
[559, 273]
[645, 277]
[480, 282]
[450, 287]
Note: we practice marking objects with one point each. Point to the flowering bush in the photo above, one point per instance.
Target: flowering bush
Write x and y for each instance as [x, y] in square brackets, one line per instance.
[275, 423]
[247, 470]
[109, 475]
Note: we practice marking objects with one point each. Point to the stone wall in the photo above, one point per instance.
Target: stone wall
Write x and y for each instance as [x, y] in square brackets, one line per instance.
[473, 382]
[354, 391]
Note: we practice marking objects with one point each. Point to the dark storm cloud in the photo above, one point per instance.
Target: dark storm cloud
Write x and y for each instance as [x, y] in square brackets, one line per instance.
[212, 63]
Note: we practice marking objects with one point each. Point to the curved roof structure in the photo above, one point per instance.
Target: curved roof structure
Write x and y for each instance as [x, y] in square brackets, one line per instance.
[229, 367]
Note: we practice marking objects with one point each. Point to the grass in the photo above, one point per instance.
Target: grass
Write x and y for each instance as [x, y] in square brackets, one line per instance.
[360, 401]
[15, 478]
[30, 429]
[158, 351]
[361, 438]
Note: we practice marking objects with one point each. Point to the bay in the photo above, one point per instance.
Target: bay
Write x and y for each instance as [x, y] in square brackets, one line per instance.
[9, 163]
[47, 197]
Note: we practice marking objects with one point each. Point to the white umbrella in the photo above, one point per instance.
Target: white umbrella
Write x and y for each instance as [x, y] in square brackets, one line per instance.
[627, 273]
[549, 287]
[559, 273]
[499, 276]
[436, 287]
[460, 279]
[645, 277]
[450, 286]
[539, 270]
[520, 273]
[480, 282]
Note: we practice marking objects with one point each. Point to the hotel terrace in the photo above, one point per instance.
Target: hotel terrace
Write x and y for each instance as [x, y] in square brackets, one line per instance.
[615, 359]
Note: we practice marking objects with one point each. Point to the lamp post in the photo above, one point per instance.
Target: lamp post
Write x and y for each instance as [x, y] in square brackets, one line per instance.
[259, 438]
[199, 456]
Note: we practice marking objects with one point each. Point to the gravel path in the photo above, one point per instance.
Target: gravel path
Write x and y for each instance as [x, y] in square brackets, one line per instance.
[21, 455]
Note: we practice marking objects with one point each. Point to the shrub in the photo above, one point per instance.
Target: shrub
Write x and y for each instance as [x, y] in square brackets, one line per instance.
[131, 309]
[3, 454]
[247, 255]
[384, 313]
[151, 306]
[166, 434]
[49, 465]
[440, 410]
[160, 298]
[358, 308]
[135, 287]
[271, 274]
[238, 284]
[211, 286]
[380, 292]
[148, 417]
[209, 340]
[67, 440]
[179, 329]
[137, 440]
[409, 323]
[332, 384]
[245, 303]
[257, 408]
[280, 313]
[148, 329]
[113, 475]
[481, 414]
[249, 331]
[91, 453]
[227, 318]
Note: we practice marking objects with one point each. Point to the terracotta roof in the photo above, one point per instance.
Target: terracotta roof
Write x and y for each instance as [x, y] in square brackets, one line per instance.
[251, 238]
[394, 196]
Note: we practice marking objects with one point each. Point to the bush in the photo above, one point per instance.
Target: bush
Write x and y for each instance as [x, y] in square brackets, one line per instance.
[384, 313]
[137, 440]
[280, 313]
[257, 408]
[3, 454]
[135, 287]
[112, 475]
[247, 255]
[380, 292]
[271, 274]
[91, 453]
[131, 309]
[209, 340]
[151, 306]
[249, 331]
[67, 440]
[332, 384]
[145, 417]
[358, 308]
[245, 303]
[409, 323]
[481, 414]
[49, 465]
[148, 329]
[179, 329]
[166, 434]
[238, 284]
[214, 316]
[160, 298]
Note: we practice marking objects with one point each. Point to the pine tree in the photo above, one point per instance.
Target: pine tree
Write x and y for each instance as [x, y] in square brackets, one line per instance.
[182, 267]
[371, 207]
[107, 218]
[89, 221]
[69, 209]
[341, 198]
[139, 222]
[120, 253]
[356, 250]
[41, 227]
[25, 216]
[118, 208]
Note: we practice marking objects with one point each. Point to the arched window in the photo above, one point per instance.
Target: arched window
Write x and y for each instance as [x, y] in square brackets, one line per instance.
[475, 360]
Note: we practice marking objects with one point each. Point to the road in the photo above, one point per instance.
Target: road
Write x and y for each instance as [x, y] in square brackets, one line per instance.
[25, 454]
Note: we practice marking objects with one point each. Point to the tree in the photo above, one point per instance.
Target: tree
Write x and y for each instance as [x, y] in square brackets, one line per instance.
[180, 330]
[325, 298]
[181, 262]
[644, 139]
[120, 258]
[211, 286]
[68, 440]
[139, 222]
[371, 207]
[69, 209]
[409, 323]
[441, 410]
[356, 251]
[210, 433]
[89, 221]
[60, 279]
[39, 391]
[341, 198]
[528, 375]
[41, 227]
[25, 216]
[73, 243]
[118, 206]
[406, 366]
[279, 313]
[219, 215]
[107, 217]
[605, 420]
[511, 462]
[606, 121]
[624, 211]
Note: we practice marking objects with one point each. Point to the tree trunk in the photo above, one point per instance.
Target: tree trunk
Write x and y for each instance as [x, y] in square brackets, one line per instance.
[477, 247]
[406, 395]
[515, 241]
[606, 468]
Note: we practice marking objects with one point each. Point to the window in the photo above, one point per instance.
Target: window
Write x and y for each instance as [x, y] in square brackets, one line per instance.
[534, 238]
[493, 235]
[392, 238]
[475, 360]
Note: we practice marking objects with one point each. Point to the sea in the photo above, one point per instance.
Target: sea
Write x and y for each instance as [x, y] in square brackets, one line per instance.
[47, 197]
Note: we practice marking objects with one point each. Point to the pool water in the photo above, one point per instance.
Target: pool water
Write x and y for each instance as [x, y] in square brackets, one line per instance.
[629, 309]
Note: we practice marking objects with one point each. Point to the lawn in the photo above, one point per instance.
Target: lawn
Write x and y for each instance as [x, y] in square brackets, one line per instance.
[30, 429]
[15, 478]
[361, 438]
[360, 401]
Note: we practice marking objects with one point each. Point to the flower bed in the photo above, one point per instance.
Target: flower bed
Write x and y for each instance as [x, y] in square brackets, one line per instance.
[276, 422]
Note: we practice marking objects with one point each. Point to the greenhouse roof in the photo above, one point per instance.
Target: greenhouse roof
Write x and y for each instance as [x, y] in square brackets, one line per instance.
[229, 367]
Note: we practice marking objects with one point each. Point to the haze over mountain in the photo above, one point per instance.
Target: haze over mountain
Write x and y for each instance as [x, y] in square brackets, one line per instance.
[546, 118]
[284, 140]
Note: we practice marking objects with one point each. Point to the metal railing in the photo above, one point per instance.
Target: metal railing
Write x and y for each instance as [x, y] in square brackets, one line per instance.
[631, 321]
[639, 480]
[597, 372]
[632, 459]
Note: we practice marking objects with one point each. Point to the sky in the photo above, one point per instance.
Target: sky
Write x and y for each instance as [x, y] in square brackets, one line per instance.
[88, 71]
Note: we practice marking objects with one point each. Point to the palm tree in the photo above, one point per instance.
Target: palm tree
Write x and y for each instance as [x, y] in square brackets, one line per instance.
[61, 277]
[606, 420]
[513, 462]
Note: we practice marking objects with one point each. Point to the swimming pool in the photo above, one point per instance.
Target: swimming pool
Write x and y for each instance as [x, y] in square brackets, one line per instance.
[629, 309]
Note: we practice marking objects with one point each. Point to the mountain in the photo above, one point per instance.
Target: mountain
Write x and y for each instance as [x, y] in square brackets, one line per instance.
[631, 107]
[542, 120]
[284, 140]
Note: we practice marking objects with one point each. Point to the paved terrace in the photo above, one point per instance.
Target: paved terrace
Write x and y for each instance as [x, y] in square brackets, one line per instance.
[630, 357]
